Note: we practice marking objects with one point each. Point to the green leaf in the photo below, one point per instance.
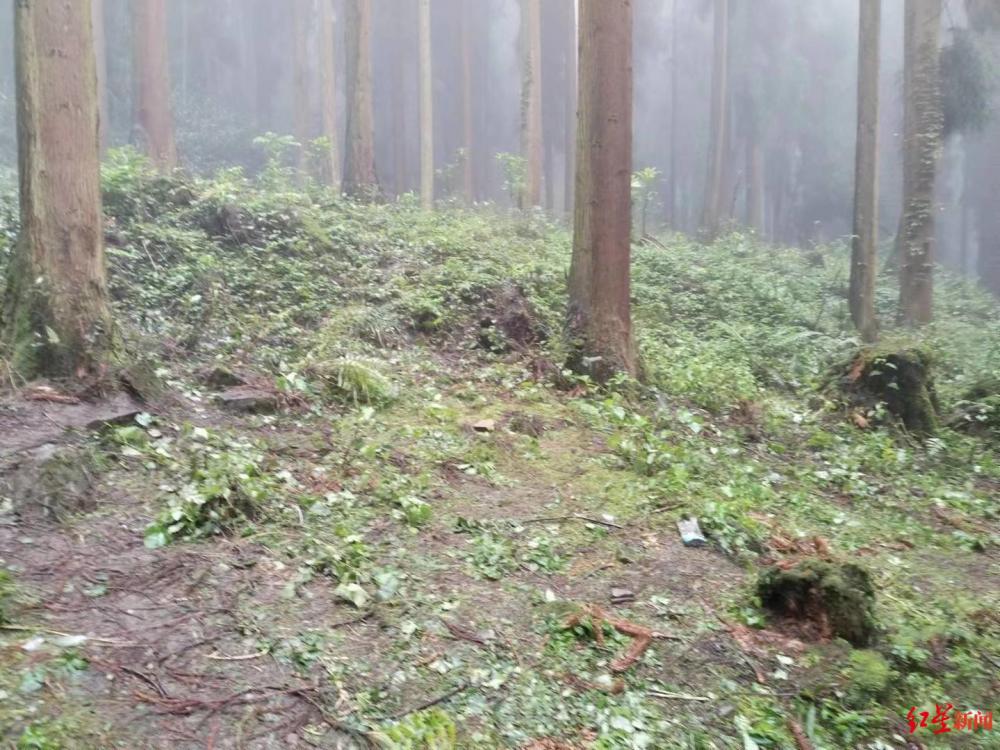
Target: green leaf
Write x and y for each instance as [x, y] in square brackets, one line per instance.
[353, 593]
[156, 538]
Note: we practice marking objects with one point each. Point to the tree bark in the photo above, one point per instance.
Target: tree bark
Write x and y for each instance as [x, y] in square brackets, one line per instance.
[468, 124]
[300, 80]
[359, 177]
[599, 321]
[400, 141]
[101, 58]
[328, 93]
[531, 101]
[153, 116]
[671, 197]
[865, 237]
[922, 144]
[714, 184]
[56, 317]
[426, 107]
[755, 178]
[572, 44]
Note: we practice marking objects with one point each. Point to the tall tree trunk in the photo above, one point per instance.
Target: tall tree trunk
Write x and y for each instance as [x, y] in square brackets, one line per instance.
[426, 107]
[263, 24]
[922, 143]
[572, 79]
[56, 317]
[328, 84]
[300, 79]
[101, 57]
[714, 184]
[671, 197]
[359, 177]
[153, 116]
[397, 79]
[599, 285]
[468, 125]
[248, 65]
[531, 101]
[755, 176]
[865, 239]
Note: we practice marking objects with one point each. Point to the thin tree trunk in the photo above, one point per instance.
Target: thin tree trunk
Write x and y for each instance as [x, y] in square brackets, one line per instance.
[531, 101]
[865, 239]
[923, 131]
[328, 83]
[153, 116]
[426, 107]
[468, 129]
[300, 79]
[755, 178]
[397, 78]
[714, 184]
[671, 197]
[599, 285]
[359, 177]
[56, 317]
[101, 56]
[572, 43]
[248, 66]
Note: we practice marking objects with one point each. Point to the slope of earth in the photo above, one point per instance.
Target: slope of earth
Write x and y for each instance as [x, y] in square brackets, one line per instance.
[369, 510]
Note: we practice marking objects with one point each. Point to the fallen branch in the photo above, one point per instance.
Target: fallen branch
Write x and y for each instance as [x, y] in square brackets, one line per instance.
[798, 733]
[574, 517]
[432, 702]
[678, 696]
[60, 634]
[243, 657]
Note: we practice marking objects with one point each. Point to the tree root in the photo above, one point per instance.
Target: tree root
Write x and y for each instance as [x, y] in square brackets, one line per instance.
[642, 636]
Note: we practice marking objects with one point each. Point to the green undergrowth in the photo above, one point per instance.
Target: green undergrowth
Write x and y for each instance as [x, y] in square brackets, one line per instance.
[428, 462]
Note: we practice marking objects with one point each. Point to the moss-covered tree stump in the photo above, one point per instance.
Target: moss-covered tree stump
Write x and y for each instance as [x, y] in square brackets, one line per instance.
[902, 380]
[978, 413]
[837, 597]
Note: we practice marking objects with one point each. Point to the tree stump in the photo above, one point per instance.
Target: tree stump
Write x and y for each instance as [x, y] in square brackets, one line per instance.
[901, 380]
[838, 598]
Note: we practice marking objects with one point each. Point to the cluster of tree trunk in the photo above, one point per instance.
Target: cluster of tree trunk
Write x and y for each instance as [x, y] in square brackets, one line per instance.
[63, 109]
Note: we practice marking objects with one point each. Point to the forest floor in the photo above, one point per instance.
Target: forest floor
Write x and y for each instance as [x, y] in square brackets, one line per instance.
[367, 508]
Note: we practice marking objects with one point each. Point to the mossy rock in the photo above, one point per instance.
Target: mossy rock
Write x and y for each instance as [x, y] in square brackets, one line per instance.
[53, 480]
[837, 597]
[900, 379]
[867, 678]
[978, 413]
[7, 593]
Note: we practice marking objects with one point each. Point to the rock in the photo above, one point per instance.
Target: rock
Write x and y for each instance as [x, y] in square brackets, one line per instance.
[220, 378]
[485, 425]
[28, 424]
[838, 598]
[622, 595]
[53, 480]
[527, 424]
[245, 400]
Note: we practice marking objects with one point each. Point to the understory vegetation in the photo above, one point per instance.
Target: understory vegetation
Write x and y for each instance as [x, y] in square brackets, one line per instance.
[397, 535]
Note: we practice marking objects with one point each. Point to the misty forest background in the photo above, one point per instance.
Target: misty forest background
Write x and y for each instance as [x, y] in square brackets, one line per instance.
[790, 133]
[584, 375]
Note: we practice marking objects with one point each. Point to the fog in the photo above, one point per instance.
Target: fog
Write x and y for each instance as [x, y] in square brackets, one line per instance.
[792, 70]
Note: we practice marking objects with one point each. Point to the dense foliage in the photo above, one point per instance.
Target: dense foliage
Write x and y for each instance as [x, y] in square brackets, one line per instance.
[384, 332]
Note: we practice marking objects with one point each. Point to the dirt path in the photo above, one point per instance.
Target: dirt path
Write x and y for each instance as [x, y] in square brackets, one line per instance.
[222, 644]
